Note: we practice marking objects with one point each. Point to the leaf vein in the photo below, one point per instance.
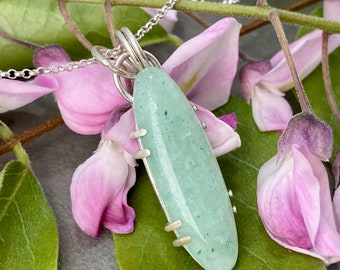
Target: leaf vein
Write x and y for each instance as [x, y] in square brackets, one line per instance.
[257, 257]
[243, 162]
[11, 198]
[24, 229]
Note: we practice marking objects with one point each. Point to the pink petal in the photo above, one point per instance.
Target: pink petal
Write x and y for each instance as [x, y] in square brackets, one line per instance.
[86, 97]
[295, 205]
[249, 76]
[49, 56]
[330, 9]
[336, 169]
[229, 119]
[270, 111]
[336, 204]
[327, 242]
[222, 137]
[121, 130]
[15, 94]
[99, 189]
[305, 129]
[205, 66]
[277, 204]
[279, 77]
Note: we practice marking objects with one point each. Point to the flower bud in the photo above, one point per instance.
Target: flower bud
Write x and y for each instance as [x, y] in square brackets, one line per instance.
[309, 131]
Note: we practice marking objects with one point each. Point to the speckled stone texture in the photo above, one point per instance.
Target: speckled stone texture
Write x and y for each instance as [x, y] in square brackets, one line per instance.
[184, 170]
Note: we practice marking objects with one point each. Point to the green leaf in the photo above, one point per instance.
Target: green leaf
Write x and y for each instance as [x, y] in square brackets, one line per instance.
[150, 247]
[40, 22]
[315, 90]
[28, 231]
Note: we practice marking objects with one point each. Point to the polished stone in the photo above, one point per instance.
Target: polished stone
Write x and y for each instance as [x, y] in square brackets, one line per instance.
[184, 171]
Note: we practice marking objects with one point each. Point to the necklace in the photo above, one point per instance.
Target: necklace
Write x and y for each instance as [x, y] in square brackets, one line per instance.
[173, 146]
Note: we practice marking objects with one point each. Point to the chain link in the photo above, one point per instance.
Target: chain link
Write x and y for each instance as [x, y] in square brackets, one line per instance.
[55, 69]
[155, 20]
[110, 54]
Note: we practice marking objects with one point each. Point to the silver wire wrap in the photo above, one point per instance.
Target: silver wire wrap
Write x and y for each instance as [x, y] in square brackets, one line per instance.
[133, 59]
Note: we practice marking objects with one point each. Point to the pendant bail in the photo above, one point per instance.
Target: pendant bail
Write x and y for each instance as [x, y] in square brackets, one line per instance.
[133, 59]
[129, 59]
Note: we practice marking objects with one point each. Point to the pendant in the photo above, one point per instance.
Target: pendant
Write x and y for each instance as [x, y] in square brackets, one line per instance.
[177, 156]
[184, 171]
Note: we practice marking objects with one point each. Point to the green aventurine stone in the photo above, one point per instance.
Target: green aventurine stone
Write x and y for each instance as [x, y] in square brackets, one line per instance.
[184, 170]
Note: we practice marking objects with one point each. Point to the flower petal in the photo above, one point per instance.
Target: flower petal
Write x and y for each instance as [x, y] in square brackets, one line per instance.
[336, 169]
[99, 189]
[270, 111]
[229, 119]
[307, 130]
[121, 130]
[15, 94]
[249, 76]
[205, 66]
[222, 137]
[295, 205]
[336, 204]
[280, 78]
[277, 204]
[330, 9]
[86, 97]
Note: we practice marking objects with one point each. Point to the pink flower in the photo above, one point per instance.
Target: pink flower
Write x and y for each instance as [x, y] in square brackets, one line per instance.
[295, 206]
[293, 193]
[99, 190]
[263, 83]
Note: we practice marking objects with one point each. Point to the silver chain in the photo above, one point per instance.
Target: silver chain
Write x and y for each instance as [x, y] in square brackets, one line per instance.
[55, 69]
[155, 20]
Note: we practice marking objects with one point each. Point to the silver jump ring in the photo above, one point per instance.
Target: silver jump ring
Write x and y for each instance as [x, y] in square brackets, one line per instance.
[95, 50]
[130, 44]
[117, 78]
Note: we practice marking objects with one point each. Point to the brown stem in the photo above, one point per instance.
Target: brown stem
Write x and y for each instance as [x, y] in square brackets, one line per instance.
[327, 78]
[30, 134]
[247, 28]
[26, 44]
[72, 26]
[197, 19]
[110, 22]
[303, 100]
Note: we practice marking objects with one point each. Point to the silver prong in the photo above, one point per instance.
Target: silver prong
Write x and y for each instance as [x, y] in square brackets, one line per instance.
[195, 108]
[142, 154]
[181, 241]
[204, 125]
[138, 133]
[230, 193]
[234, 209]
[173, 226]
